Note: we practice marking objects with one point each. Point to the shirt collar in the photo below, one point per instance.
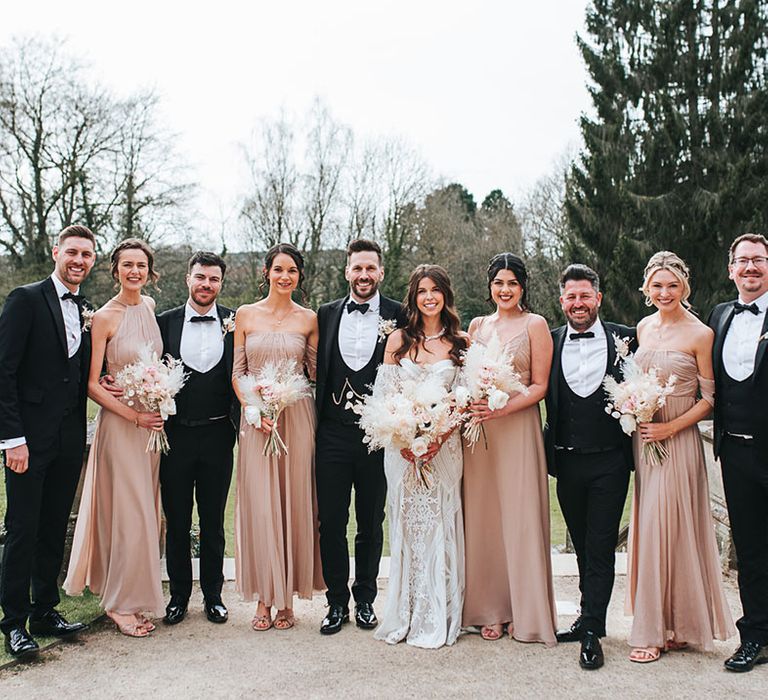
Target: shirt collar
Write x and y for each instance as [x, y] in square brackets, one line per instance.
[373, 303]
[189, 312]
[61, 288]
[596, 328]
[761, 302]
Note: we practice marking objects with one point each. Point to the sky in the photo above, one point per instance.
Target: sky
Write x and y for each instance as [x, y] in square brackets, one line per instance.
[489, 92]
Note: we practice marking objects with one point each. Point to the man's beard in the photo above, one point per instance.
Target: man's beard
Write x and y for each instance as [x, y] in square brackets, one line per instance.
[580, 326]
[371, 291]
[199, 301]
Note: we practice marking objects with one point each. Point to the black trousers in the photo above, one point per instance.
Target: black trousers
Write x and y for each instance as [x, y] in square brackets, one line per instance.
[341, 462]
[592, 490]
[199, 466]
[39, 502]
[745, 478]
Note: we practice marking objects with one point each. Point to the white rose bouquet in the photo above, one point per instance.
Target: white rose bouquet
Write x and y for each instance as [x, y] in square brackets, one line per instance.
[488, 373]
[637, 398]
[153, 383]
[268, 392]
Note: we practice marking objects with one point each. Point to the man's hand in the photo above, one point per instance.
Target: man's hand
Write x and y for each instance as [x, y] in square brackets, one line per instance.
[17, 459]
[108, 382]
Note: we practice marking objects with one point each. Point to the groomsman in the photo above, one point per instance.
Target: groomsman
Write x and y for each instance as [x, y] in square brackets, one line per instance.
[353, 334]
[587, 450]
[44, 360]
[201, 436]
[741, 435]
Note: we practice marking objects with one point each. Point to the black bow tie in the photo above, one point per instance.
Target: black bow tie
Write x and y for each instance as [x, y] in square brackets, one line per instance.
[738, 307]
[354, 306]
[78, 298]
[202, 319]
[579, 336]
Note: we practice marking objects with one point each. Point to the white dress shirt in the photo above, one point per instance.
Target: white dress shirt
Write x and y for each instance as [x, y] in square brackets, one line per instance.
[202, 343]
[585, 361]
[740, 345]
[358, 334]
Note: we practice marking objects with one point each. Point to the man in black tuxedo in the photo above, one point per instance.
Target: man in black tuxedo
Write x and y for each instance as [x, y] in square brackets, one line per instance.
[741, 436]
[353, 334]
[44, 361]
[201, 435]
[587, 450]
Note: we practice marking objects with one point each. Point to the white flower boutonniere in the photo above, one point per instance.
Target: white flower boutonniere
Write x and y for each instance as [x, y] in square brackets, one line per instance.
[622, 348]
[764, 336]
[385, 327]
[87, 314]
[228, 325]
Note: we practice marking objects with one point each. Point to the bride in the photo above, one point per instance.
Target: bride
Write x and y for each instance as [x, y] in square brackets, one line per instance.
[426, 535]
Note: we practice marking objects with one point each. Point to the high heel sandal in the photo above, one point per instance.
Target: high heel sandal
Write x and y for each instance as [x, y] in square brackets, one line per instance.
[133, 629]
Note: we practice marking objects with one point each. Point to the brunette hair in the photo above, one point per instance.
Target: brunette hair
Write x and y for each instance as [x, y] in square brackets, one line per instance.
[134, 244]
[666, 260]
[361, 245]
[269, 259]
[413, 331]
[514, 263]
[578, 272]
[207, 259]
[76, 231]
[752, 238]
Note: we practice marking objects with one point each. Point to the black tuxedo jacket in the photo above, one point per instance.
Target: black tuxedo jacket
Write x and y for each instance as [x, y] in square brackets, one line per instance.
[553, 390]
[171, 323]
[34, 367]
[328, 319]
[719, 321]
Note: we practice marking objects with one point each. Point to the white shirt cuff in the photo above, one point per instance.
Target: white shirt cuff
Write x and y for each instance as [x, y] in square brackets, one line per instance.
[12, 442]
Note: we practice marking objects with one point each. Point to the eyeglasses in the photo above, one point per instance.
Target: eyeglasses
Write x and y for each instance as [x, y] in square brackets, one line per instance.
[757, 261]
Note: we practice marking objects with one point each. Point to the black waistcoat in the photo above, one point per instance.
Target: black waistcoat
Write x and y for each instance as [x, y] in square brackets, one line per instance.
[341, 381]
[205, 395]
[737, 405]
[582, 422]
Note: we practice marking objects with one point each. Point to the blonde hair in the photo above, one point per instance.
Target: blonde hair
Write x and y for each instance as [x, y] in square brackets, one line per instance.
[666, 260]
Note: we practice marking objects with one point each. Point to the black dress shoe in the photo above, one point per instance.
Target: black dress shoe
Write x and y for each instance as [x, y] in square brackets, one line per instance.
[747, 656]
[573, 634]
[336, 617]
[365, 617]
[175, 612]
[53, 624]
[216, 611]
[591, 655]
[18, 643]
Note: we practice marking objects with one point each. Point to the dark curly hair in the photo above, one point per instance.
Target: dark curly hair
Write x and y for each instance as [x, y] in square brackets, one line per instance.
[514, 263]
[269, 259]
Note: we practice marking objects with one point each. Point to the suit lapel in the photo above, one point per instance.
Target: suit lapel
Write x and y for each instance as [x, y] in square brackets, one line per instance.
[557, 359]
[175, 326]
[761, 346]
[229, 341]
[49, 292]
[721, 330]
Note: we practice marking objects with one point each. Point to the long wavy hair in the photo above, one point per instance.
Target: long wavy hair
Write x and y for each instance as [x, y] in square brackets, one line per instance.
[413, 331]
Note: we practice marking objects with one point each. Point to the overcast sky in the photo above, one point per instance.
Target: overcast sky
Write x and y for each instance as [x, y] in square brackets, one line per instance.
[488, 91]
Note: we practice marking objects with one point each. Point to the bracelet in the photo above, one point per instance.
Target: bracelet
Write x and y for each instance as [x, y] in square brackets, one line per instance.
[136, 420]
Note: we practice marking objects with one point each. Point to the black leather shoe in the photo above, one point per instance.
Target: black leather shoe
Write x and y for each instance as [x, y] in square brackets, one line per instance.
[53, 624]
[336, 617]
[175, 612]
[18, 643]
[591, 655]
[573, 634]
[747, 656]
[216, 611]
[365, 617]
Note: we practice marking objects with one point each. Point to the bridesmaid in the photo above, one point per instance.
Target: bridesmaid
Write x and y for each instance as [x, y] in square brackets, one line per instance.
[116, 547]
[276, 536]
[506, 495]
[674, 580]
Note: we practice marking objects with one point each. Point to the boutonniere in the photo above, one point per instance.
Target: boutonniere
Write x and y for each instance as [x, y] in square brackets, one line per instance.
[87, 313]
[385, 327]
[764, 336]
[622, 348]
[228, 325]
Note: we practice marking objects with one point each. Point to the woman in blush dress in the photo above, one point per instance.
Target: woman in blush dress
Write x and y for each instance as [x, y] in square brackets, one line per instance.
[276, 535]
[116, 547]
[674, 582]
[506, 494]
[426, 536]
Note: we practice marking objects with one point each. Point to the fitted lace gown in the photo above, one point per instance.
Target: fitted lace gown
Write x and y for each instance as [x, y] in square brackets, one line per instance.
[506, 520]
[277, 550]
[116, 546]
[674, 582]
[426, 537]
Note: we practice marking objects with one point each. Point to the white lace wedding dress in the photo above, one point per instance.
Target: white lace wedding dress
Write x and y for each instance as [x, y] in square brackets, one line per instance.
[425, 594]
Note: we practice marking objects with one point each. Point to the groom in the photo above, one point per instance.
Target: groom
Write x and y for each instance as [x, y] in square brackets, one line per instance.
[45, 354]
[353, 334]
[741, 435]
[587, 450]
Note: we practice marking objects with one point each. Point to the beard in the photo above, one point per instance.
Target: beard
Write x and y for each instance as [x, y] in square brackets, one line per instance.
[374, 287]
[580, 326]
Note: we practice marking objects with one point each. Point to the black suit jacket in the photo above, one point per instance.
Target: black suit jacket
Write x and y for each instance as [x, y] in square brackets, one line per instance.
[328, 319]
[720, 321]
[171, 323]
[34, 367]
[553, 390]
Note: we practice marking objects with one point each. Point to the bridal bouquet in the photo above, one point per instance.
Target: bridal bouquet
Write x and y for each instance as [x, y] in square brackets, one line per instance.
[152, 383]
[637, 398]
[488, 373]
[268, 392]
[411, 413]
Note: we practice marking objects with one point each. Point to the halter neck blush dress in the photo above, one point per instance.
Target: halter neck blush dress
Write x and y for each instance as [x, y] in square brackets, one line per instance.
[116, 546]
[506, 520]
[674, 580]
[277, 552]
